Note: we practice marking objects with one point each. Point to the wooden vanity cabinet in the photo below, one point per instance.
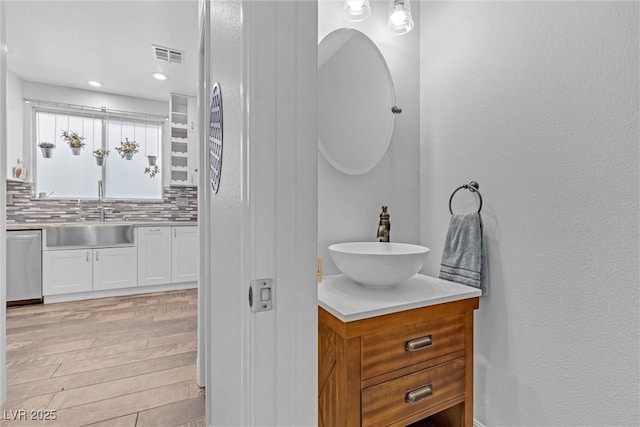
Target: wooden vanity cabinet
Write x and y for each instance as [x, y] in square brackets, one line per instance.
[414, 367]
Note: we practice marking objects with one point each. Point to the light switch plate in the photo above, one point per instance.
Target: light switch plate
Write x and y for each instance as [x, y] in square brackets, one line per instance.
[261, 295]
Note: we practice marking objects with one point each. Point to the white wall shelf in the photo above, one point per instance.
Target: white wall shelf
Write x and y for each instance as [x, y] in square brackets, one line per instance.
[183, 147]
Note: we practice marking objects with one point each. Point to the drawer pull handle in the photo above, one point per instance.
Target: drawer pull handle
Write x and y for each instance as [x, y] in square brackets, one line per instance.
[418, 343]
[419, 394]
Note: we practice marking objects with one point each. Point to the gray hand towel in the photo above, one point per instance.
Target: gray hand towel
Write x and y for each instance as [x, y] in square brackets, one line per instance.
[462, 257]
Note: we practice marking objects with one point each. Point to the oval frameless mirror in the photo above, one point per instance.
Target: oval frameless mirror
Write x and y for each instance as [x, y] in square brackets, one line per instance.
[355, 96]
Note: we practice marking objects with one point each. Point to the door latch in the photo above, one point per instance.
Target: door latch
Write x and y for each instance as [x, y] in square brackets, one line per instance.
[261, 295]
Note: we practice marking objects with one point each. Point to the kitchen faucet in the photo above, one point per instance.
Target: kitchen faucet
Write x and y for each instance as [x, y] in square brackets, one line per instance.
[80, 218]
[101, 200]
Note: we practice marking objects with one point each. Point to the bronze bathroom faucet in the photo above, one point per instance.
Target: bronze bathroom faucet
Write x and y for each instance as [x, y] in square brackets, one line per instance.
[384, 228]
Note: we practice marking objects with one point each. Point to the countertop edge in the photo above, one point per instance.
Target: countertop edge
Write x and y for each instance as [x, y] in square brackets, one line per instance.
[43, 226]
[467, 293]
[396, 309]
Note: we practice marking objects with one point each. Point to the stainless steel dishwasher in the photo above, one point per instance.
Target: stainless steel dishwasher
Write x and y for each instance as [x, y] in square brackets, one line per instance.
[24, 267]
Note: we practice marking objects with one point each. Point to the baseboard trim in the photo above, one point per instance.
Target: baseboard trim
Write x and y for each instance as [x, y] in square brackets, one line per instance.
[118, 292]
[477, 423]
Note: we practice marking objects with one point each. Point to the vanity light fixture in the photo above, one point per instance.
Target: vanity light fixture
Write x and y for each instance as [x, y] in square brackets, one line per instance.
[159, 76]
[400, 21]
[356, 10]
[94, 83]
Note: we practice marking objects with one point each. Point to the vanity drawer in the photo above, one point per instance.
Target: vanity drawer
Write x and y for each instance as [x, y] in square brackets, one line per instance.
[410, 344]
[403, 397]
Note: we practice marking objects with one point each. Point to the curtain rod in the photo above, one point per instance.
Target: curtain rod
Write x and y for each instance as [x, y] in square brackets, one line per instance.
[99, 110]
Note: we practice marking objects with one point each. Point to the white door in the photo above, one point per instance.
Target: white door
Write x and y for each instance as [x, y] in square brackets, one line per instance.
[262, 223]
[66, 272]
[154, 256]
[115, 268]
[184, 254]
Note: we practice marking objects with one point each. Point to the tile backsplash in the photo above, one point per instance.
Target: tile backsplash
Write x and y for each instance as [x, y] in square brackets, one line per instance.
[179, 204]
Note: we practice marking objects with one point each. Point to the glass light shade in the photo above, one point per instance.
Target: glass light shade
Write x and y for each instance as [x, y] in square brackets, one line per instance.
[356, 10]
[400, 21]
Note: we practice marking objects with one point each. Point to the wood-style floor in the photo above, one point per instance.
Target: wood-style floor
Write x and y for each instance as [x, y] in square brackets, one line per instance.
[125, 361]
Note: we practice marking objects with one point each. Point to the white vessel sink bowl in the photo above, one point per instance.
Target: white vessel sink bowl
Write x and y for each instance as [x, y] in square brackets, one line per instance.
[378, 264]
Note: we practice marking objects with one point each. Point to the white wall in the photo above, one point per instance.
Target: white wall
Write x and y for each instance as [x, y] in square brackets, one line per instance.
[14, 121]
[349, 206]
[538, 102]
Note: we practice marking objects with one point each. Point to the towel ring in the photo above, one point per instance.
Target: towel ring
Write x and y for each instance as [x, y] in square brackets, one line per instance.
[473, 187]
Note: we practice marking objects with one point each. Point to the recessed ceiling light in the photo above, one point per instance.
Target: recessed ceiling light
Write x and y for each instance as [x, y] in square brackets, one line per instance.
[159, 76]
[94, 83]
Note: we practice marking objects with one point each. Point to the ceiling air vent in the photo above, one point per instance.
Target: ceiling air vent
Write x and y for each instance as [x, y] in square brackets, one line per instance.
[166, 54]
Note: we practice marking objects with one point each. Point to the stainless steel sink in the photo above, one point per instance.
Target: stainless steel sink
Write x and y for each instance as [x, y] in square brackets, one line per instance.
[89, 235]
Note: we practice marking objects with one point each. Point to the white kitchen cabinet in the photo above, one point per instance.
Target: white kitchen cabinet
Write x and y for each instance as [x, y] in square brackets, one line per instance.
[115, 268]
[154, 256]
[86, 270]
[163, 258]
[66, 272]
[184, 254]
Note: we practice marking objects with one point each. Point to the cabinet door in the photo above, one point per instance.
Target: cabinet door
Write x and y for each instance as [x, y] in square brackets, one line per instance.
[184, 254]
[192, 113]
[66, 272]
[192, 157]
[154, 256]
[115, 268]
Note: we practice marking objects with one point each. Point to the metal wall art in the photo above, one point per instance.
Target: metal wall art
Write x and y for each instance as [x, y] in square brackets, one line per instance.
[215, 138]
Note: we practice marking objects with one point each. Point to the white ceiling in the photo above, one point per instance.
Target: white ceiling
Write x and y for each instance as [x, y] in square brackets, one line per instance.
[67, 43]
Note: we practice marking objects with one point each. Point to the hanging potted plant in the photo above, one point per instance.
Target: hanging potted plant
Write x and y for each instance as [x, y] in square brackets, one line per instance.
[152, 170]
[74, 140]
[127, 149]
[47, 149]
[100, 155]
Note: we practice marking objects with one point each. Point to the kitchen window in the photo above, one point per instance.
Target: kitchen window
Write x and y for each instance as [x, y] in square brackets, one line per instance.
[68, 176]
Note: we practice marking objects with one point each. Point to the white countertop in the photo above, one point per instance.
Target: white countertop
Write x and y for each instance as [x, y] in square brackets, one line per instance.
[349, 301]
[138, 223]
